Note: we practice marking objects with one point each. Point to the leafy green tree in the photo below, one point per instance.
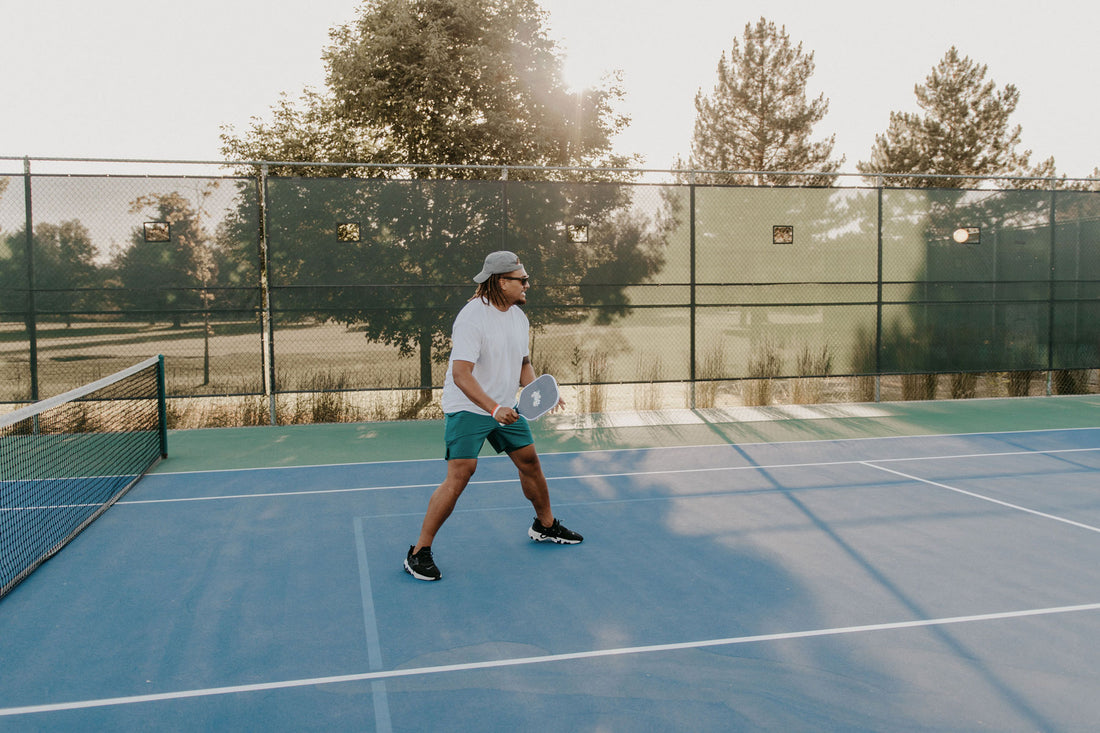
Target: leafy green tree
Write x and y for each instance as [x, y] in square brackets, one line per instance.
[441, 82]
[1091, 183]
[424, 84]
[758, 117]
[167, 278]
[64, 270]
[307, 130]
[964, 130]
[467, 82]
[13, 273]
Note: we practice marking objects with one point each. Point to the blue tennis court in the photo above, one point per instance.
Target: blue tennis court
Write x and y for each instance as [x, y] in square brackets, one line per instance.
[908, 582]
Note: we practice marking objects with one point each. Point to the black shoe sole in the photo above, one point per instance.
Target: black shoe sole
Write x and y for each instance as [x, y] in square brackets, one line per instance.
[418, 576]
[540, 537]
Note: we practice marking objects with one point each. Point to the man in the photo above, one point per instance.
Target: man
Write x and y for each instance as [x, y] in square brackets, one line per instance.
[490, 360]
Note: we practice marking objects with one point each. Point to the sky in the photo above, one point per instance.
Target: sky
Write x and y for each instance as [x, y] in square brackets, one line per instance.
[136, 79]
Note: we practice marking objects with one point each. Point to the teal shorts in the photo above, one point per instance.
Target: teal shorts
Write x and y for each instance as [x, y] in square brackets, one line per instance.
[465, 433]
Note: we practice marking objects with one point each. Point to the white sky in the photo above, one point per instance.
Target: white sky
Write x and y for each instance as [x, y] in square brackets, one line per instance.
[149, 79]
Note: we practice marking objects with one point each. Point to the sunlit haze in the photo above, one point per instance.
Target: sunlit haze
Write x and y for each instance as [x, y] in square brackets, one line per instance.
[130, 79]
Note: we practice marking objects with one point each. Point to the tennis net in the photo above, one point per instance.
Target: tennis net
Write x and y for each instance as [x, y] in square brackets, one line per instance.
[64, 461]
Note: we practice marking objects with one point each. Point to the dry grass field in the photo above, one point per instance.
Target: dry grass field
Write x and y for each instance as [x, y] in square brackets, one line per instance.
[326, 372]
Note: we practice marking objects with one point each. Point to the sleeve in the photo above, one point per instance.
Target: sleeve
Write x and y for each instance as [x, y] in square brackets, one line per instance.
[465, 338]
[526, 336]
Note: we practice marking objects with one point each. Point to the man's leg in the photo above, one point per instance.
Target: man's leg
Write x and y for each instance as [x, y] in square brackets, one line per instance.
[534, 486]
[533, 482]
[442, 503]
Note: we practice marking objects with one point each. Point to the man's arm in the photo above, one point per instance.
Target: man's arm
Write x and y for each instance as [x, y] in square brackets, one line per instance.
[463, 374]
[526, 372]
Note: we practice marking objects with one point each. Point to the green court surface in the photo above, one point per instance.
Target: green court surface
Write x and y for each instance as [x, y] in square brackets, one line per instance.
[256, 447]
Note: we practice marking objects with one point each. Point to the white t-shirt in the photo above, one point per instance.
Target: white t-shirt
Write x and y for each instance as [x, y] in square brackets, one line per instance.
[496, 342]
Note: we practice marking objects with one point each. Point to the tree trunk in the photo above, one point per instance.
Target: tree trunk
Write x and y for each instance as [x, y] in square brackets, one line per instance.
[425, 365]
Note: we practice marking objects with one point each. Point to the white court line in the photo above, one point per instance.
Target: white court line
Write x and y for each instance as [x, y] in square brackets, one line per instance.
[521, 661]
[719, 415]
[382, 721]
[309, 492]
[623, 474]
[984, 498]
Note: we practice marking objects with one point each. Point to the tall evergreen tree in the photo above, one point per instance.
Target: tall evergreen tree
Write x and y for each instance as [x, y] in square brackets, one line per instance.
[758, 117]
[964, 130]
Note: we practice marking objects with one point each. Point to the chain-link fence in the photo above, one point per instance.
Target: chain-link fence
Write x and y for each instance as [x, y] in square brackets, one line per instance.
[268, 286]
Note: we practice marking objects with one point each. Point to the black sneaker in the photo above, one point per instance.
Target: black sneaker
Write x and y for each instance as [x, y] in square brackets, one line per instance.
[421, 566]
[554, 533]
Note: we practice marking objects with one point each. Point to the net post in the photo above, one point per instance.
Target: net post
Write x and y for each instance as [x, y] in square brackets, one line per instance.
[89, 446]
[162, 407]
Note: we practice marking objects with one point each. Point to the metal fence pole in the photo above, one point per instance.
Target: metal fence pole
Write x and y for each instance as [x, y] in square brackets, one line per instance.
[505, 222]
[1051, 289]
[878, 300]
[267, 328]
[692, 307]
[31, 317]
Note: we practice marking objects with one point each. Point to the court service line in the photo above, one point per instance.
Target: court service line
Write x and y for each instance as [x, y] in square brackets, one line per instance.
[622, 474]
[544, 659]
[382, 722]
[984, 498]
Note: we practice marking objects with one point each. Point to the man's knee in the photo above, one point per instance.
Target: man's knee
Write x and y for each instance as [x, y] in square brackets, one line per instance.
[526, 460]
[460, 470]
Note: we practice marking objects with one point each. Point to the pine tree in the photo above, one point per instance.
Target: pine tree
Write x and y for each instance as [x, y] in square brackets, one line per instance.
[758, 118]
[964, 131]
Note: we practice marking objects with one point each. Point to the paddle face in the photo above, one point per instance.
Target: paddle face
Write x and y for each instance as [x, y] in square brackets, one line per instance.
[538, 398]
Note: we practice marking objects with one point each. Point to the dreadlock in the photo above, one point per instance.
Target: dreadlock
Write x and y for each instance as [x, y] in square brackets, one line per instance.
[491, 292]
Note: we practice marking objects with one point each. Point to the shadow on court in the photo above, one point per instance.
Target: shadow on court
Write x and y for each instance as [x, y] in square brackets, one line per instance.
[939, 582]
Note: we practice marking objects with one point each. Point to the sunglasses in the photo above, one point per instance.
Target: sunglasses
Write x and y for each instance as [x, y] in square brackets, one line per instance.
[523, 280]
